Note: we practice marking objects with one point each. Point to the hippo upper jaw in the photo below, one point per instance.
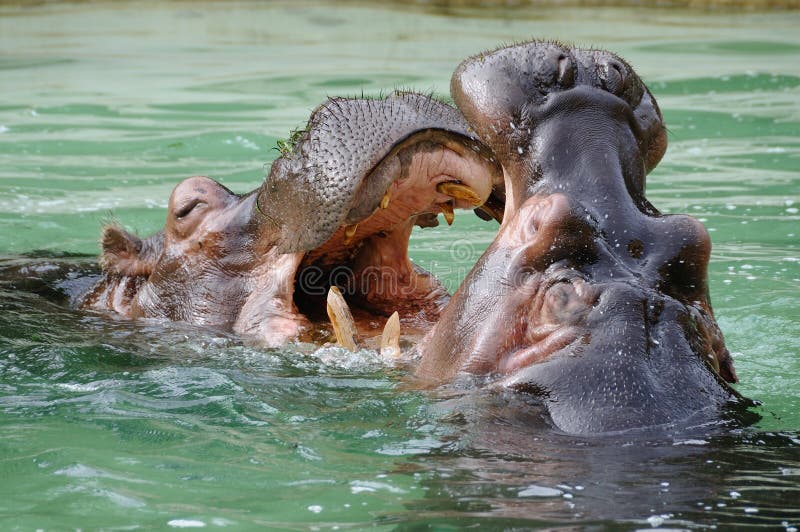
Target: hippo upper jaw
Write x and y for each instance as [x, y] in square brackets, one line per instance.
[507, 94]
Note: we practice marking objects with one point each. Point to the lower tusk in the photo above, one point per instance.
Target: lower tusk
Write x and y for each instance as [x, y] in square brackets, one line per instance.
[460, 192]
[385, 199]
[349, 233]
[497, 214]
[390, 339]
[342, 320]
[447, 210]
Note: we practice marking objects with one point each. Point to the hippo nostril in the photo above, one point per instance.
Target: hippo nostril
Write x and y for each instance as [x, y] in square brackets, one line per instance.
[636, 248]
[613, 76]
[566, 72]
[564, 303]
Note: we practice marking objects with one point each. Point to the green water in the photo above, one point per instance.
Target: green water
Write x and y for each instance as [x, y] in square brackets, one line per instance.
[114, 424]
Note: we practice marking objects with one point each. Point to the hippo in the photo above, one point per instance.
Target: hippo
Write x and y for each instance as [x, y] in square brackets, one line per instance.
[589, 300]
[336, 210]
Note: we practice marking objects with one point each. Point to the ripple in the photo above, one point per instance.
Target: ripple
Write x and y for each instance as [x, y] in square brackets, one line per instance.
[122, 424]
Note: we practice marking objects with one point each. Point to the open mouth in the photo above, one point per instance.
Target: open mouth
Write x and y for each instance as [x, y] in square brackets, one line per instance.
[429, 173]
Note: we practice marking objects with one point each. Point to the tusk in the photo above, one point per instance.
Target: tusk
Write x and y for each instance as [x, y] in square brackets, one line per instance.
[349, 233]
[491, 212]
[447, 210]
[460, 192]
[390, 339]
[385, 199]
[342, 320]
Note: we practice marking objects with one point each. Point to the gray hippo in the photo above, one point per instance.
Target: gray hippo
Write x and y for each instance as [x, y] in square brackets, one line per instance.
[589, 299]
[336, 209]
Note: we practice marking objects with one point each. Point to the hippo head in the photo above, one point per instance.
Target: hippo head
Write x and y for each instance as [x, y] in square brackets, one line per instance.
[214, 263]
[588, 298]
[337, 209]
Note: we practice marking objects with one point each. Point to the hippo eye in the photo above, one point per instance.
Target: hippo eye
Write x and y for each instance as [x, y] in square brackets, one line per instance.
[613, 76]
[188, 207]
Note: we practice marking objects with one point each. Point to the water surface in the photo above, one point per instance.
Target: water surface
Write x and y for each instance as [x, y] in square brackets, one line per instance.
[108, 423]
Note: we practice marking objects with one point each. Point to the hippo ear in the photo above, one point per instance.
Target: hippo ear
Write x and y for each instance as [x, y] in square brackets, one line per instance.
[122, 252]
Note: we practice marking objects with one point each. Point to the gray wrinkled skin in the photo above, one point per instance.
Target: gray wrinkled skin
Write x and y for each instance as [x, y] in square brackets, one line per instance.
[314, 190]
[237, 261]
[588, 298]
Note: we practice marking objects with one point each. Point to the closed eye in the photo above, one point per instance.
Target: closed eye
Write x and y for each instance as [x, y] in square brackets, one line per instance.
[188, 207]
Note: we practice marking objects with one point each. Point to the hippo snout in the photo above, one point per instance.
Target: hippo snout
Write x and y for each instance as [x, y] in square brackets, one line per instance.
[588, 297]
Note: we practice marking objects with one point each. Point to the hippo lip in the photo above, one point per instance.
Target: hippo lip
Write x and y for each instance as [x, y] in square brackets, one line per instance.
[354, 156]
[549, 341]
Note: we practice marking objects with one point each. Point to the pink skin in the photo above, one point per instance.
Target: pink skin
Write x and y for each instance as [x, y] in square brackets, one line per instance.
[213, 269]
[538, 317]
[217, 263]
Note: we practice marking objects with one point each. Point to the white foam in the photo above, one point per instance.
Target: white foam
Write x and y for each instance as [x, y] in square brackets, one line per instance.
[186, 523]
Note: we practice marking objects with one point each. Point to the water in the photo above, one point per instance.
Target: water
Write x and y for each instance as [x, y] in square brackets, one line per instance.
[108, 423]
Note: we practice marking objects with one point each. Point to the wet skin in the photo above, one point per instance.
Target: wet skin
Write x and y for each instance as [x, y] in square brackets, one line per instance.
[336, 209]
[588, 298]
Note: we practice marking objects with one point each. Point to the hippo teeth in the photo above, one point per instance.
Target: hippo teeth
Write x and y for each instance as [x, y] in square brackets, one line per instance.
[385, 199]
[390, 339]
[460, 192]
[344, 326]
[447, 211]
[349, 233]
